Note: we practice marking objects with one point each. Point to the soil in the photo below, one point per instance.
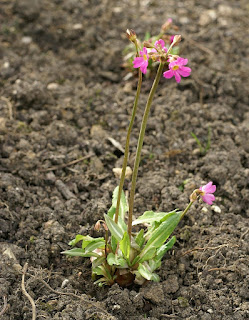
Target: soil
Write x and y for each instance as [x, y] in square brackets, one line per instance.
[64, 94]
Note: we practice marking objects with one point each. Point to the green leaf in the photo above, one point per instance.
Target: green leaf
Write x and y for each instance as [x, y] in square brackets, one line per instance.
[111, 211]
[161, 234]
[140, 238]
[78, 238]
[95, 245]
[114, 228]
[147, 274]
[144, 272]
[78, 252]
[97, 262]
[113, 259]
[151, 216]
[164, 248]
[147, 35]
[87, 240]
[125, 245]
[123, 204]
[156, 262]
[114, 243]
[155, 277]
[148, 255]
[102, 271]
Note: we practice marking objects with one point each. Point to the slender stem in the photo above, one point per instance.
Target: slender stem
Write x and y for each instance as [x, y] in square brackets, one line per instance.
[126, 153]
[140, 145]
[187, 208]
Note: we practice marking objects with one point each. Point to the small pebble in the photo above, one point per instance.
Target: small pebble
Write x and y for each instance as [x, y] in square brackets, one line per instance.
[6, 64]
[52, 86]
[26, 40]
[64, 283]
[216, 209]
[77, 26]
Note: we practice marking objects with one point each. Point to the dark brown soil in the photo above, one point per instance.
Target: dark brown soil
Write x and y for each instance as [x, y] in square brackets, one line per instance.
[63, 95]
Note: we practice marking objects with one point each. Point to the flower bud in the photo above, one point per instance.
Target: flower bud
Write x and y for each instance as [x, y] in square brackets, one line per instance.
[166, 25]
[97, 225]
[176, 40]
[131, 35]
[193, 197]
[148, 44]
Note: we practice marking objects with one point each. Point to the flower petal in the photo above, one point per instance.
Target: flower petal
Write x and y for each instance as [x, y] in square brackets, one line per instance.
[208, 198]
[209, 188]
[144, 51]
[177, 77]
[138, 62]
[182, 61]
[184, 71]
[168, 74]
[160, 43]
[144, 66]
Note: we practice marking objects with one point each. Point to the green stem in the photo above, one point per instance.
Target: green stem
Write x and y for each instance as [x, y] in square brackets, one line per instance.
[186, 210]
[126, 153]
[140, 145]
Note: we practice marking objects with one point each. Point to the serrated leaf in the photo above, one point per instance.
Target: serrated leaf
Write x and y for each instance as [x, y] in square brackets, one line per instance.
[140, 238]
[125, 245]
[115, 230]
[78, 252]
[161, 234]
[151, 216]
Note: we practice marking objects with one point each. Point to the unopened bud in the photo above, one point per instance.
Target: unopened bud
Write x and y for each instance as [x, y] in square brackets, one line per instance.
[148, 44]
[176, 40]
[105, 226]
[166, 25]
[193, 196]
[97, 225]
[131, 35]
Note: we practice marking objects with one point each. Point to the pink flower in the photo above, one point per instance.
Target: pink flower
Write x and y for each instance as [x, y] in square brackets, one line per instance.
[171, 39]
[142, 61]
[160, 44]
[206, 192]
[177, 69]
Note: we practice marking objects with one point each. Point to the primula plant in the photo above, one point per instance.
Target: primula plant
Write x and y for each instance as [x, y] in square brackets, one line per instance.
[124, 255]
[165, 34]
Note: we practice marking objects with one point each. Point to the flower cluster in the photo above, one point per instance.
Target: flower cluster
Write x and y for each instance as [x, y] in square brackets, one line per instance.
[159, 52]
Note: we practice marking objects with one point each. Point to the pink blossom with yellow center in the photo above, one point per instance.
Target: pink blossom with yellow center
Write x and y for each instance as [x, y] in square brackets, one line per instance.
[141, 61]
[177, 69]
